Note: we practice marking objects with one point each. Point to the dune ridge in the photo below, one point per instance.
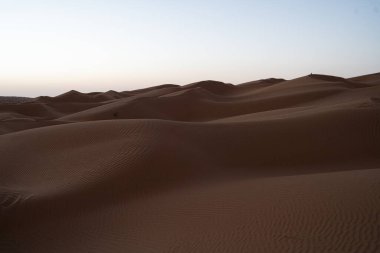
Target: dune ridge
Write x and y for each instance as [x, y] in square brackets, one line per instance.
[271, 165]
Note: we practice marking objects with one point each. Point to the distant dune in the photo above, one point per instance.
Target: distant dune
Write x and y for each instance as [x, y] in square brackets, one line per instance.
[271, 165]
[14, 99]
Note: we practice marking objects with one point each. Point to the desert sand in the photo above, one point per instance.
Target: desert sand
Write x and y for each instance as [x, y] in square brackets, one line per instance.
[271, 165]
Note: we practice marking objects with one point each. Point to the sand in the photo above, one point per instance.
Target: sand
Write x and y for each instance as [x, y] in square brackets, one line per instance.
[271, 165]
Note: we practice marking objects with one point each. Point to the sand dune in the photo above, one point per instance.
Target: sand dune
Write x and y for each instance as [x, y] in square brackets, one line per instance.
[271, 165]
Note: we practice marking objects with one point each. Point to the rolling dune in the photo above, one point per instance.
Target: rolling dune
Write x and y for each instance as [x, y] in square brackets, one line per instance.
[271, 165]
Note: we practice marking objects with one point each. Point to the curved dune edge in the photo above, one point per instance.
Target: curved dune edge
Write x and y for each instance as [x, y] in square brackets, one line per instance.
[267, 166]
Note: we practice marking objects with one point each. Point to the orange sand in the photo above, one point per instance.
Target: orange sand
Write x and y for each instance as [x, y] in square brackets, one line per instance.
[265, 166]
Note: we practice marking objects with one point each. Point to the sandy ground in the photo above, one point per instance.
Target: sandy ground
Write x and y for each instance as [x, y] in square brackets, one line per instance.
[266, 166]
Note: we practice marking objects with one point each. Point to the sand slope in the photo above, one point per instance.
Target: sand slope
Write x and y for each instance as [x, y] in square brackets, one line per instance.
[267, 166]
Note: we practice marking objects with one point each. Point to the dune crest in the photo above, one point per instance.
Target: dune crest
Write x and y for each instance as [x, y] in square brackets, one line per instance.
[271, 165]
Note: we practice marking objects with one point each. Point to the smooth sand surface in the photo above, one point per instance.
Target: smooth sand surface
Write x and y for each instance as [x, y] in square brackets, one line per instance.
[266, 166]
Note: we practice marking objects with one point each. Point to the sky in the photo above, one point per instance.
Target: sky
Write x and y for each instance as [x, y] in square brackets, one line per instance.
[48, 47]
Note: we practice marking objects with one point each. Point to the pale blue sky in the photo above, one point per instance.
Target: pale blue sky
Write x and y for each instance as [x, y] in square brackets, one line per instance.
[49, 47]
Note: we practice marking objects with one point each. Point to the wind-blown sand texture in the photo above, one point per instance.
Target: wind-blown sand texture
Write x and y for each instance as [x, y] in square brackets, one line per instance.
[265, 166]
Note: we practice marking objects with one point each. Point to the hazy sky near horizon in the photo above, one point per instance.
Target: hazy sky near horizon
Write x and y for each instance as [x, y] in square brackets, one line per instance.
[51, 46]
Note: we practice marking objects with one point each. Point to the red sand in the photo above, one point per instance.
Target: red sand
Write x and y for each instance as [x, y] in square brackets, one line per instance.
[265, 166]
